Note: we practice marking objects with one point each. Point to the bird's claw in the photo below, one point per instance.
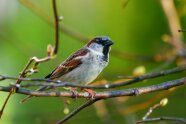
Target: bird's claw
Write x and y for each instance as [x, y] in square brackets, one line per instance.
[74, 92]
[91, 93]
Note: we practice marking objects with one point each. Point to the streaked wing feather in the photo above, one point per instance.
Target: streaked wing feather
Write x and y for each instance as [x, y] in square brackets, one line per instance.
[71, 63]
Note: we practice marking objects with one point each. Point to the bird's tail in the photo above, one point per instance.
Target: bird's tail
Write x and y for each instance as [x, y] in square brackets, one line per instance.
[30, 96]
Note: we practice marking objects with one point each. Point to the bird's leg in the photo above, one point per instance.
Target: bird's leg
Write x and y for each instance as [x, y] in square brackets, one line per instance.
[74, 92]
[90, 92]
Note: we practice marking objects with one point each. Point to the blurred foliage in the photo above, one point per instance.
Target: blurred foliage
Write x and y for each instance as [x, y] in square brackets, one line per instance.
[135, 26]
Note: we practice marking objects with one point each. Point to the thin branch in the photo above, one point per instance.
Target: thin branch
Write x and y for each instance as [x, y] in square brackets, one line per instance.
[107, 94]
[4, 105]
[107, 86]
[99, 95]
[35, 61]
[174, 24]
[13, 89]
[162, 103]
[88, 103]
[56, 23]
[182, 120]
[143, 105]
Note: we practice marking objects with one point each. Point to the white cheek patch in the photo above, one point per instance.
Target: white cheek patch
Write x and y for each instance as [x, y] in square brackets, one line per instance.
[96, 48]
[96, 52]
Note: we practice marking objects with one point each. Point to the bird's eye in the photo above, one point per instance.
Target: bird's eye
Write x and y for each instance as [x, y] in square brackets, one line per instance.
[98, 41]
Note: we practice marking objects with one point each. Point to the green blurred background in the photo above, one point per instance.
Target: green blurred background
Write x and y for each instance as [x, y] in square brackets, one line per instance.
[135, 26]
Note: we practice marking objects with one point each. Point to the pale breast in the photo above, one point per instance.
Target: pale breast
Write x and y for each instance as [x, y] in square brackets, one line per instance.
[90, 68]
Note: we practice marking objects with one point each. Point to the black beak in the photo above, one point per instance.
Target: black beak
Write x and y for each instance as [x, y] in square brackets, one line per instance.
[108, 43]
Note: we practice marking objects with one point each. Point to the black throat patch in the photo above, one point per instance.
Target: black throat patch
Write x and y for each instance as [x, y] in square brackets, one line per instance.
[105, 52]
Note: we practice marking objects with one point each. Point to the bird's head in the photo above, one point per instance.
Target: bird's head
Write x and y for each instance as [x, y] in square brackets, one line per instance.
[100, 44]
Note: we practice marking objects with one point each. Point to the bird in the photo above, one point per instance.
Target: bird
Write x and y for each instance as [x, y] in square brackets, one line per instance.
[84, 65]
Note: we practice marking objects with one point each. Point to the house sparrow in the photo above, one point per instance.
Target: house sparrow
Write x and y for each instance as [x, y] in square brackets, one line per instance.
[84, 65]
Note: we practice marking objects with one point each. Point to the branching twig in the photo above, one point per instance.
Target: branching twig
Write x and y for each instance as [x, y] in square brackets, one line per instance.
[13, 89]
[144, 104]
[182, 120]
[111, 85]
[52, 51]
[27, 72]
[174, 24]
[88, 103]
[100, 95]
[162, 103]
[107, 94]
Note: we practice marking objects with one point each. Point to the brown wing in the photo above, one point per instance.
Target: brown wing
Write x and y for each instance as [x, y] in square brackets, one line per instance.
[71, 63]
